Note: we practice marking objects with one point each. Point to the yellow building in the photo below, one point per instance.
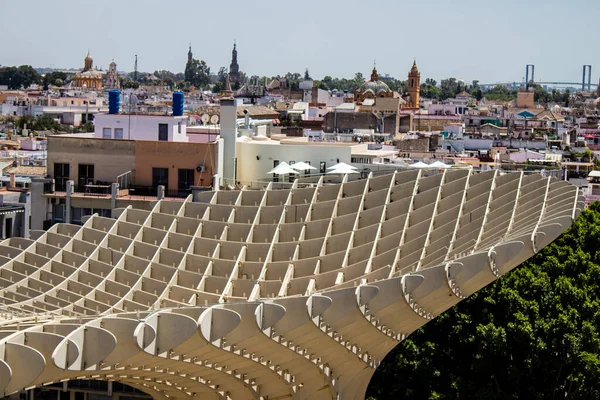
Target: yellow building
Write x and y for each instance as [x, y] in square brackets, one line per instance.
[414, 87]
[89, 77]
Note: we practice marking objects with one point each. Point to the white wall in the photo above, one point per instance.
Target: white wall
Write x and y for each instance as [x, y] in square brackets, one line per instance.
[251, 169]
[140, 127]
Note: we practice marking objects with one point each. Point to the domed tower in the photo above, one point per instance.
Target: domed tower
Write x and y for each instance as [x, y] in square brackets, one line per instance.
[373, 88]
[88, 62]
[414, 86]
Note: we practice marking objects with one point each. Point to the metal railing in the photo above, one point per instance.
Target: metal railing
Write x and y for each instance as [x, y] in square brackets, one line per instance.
[126, 179]
[152, 191]
[48, 187]
[92, 190]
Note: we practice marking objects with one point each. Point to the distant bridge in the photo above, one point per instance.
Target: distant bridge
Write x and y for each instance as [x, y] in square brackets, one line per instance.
[522, 84]
[585, 84]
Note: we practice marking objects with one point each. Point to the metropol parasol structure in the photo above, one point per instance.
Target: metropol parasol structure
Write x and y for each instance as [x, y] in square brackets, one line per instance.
[276, 294]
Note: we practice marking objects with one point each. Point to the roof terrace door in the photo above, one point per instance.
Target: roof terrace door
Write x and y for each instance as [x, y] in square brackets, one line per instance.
[61, 176]
[160, 176]
[86, 175]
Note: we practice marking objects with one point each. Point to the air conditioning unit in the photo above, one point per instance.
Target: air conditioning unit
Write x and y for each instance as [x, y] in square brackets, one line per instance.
[200, 168]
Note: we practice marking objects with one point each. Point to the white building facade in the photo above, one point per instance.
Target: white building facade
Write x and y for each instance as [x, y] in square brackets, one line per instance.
[140, 127]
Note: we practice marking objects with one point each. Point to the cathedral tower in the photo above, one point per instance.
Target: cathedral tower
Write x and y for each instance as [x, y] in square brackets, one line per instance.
[414, 86]
[234, 68]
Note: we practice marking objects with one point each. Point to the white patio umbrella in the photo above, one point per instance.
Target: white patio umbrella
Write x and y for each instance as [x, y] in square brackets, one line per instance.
[282, 169]
[439, 164]
[420, 164]
[348, 169]
[302, 166]
[342, 165]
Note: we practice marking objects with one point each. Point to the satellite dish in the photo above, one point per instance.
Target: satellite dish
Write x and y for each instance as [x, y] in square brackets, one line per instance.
[205, 118]
[214, 119]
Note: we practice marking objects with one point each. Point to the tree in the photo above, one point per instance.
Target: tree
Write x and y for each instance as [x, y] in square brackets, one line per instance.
[449, 88]
[540, 95]
[429, 89]
[197, 73]
[169, 82]
[42, 123]
[19, 77]
[54, 78]
[222, 75]
[500, 93]
[533, 334]
[475, 90]
[24, 122]
[85, 128]
[129, 84]
[45, 123]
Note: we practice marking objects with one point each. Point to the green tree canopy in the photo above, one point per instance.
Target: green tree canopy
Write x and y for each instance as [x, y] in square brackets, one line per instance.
[19, 77]
[54, 78]
[197, 73]
[533, 334]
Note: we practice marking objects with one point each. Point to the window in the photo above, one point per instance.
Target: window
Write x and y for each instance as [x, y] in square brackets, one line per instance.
[163, 132]
[59, 212]
[61, 176]
[106, 133]
[275, 176]
[322, 167]
[160, 176]
[186, 179]
[179, 127]
[76, 215]
[86, 175]
[118, 133]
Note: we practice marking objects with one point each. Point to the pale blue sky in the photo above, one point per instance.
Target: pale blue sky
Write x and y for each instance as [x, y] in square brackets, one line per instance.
[468, 39]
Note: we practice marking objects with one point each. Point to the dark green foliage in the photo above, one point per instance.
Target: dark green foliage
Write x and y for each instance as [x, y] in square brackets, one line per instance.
[19, 77]
[429, 89]
[197, 73]
[500, 93]
[55, 78]
[533, 334]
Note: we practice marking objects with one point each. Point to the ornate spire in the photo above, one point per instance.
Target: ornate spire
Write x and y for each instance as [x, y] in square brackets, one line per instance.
[414, 70]
[88, 62]
[234, 68]
[374, 75]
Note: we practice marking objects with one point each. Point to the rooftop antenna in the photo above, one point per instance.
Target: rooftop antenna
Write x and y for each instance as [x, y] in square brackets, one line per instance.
[135, 70]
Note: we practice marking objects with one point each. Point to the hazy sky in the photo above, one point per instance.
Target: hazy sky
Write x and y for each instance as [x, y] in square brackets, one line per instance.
[468, 39]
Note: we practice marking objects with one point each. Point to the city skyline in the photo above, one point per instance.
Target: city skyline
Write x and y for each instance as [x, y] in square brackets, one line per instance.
[336, 39]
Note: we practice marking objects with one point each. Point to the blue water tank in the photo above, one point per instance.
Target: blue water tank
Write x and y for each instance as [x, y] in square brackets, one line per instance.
[114, 101]
[177, 104]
